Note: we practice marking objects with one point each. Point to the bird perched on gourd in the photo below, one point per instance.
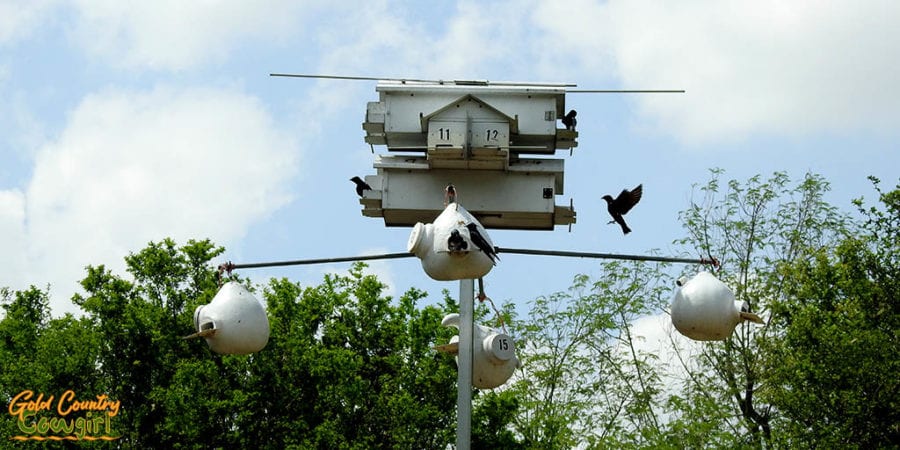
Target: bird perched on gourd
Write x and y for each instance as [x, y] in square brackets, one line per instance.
[481, 242]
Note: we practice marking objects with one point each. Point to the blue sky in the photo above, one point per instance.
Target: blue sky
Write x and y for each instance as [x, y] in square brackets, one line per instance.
[123, 123]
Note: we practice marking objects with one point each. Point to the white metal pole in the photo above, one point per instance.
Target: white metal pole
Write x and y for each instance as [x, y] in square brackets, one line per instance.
[464, 376]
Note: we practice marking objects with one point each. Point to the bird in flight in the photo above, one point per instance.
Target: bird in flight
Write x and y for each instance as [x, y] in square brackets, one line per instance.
[569, 120]
[361, 186]
[622, 204]
[482, 243]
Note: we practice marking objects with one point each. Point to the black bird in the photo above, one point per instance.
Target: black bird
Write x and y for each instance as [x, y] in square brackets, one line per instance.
[569, 120]
[449, 194]
[360, 186]
[456, 243]
[482, 243]
[622, 204]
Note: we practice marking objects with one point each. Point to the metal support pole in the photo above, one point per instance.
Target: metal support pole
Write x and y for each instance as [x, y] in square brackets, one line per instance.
[464, 376]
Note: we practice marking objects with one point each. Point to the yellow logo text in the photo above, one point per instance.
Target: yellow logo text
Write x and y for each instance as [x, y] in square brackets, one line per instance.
[43, 417]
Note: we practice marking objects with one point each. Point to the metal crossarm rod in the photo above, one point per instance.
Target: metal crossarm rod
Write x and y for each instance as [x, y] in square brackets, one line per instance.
[420, 80]
[526, 251]
[342, 77]
[484, 83]
[300, 262]
[228, 267]
[625, 91]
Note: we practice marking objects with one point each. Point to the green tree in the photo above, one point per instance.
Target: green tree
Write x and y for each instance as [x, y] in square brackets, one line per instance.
[43, 355]
[492, 421]
[833, 365]
[140, 324]
[26, 316]
[752, 228]
[345, 367]
[584, 380]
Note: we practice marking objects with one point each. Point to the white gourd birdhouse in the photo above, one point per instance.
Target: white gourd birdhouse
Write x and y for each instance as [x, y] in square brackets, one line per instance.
[494, 354]
[234, 322]
[705, 309]
[446, 249]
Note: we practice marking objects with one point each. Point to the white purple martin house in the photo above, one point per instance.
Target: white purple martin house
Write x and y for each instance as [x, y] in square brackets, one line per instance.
[493, 141]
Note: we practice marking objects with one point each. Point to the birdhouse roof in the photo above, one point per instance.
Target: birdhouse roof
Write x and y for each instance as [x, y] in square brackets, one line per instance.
[468, 100]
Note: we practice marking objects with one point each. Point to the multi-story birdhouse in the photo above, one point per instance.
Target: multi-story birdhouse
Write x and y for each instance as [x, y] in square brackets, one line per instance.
[492, 141]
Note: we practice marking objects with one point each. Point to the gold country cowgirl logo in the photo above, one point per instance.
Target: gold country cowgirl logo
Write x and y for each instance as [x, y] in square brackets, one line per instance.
[42, 418]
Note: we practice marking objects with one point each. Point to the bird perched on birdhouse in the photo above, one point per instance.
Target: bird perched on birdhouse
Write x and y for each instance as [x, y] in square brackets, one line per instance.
[360, 186]
[449, 194]
[569, 120]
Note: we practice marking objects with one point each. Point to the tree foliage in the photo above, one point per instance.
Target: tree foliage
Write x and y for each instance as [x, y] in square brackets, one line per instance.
[833, 367]
[585, 379]
[345, 367]
[752, 227]
[826, 285]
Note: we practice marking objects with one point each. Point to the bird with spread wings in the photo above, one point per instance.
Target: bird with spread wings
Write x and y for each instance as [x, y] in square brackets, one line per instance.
[620, 206]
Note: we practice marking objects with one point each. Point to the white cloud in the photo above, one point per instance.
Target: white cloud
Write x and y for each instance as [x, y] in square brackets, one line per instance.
[463, 40]
[655, 334]
[177, 35]
[379, 39]
[484, 39]
[131, 167]
[12, 235]
[764, 67]
[19, 18]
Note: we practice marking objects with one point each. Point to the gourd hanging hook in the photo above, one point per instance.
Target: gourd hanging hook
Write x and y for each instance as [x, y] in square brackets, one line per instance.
[224, 267]
[482, 297]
